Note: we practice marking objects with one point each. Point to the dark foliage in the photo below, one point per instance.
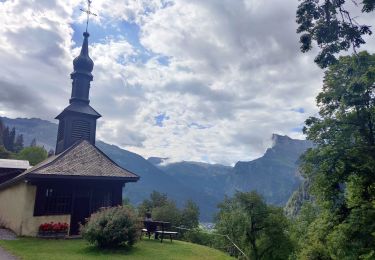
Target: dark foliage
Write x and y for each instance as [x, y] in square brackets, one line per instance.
[341, 168]
[33, 143]
[164, 209]
[9, 140]
[261, 231]
[4, 153]
[18, 144]
[330, 25]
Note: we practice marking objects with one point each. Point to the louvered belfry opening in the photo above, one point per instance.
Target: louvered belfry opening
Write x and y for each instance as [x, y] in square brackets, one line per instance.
[80, 130]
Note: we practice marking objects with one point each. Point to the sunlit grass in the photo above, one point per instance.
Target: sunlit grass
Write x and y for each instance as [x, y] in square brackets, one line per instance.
[40, 249]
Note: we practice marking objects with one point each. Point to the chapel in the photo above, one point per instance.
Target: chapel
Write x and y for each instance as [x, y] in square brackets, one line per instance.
[75, 182]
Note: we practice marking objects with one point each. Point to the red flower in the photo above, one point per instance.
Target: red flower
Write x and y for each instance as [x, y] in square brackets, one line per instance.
[55, 227]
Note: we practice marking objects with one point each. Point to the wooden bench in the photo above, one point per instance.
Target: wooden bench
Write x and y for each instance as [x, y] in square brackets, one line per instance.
[166, 233]
[149, 228]
[152, 227]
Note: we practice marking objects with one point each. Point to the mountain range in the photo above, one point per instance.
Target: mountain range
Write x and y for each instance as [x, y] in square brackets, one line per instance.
[274, 175]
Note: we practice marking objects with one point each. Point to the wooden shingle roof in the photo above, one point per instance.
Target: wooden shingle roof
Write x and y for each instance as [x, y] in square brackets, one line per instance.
[81, 161]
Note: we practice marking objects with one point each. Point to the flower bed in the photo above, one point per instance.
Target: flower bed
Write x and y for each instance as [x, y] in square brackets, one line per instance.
[53, 230]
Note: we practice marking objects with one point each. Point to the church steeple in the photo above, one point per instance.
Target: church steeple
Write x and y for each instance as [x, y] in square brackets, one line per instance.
[78, 120]
[81, 76]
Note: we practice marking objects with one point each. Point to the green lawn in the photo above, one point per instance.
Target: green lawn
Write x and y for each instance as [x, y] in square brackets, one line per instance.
[39, 249]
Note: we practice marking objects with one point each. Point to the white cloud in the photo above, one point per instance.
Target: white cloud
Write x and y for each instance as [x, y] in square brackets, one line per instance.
[231, 73]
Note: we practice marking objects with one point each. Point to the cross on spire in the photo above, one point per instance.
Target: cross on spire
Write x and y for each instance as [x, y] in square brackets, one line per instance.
[88, 12]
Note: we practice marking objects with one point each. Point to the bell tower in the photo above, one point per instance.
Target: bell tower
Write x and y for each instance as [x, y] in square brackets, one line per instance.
[78, 120]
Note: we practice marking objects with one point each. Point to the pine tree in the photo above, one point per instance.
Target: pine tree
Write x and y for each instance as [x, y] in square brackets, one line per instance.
[18, 145]
[4, 154]
[6, 138]
[33, 143]
[1, 132]
[12, 139]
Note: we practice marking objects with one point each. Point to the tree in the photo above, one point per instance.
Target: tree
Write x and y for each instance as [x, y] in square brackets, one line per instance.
[164, 209]
[260, 230]
[4, 153]
[11, 140]
[190, 215]
[167, 212]
[332, 27]
[157, 199]
[34, 154]
[6, 138]
[341, 167]
[18, 145]
[301, 226]
[33, 143]
[2, 128]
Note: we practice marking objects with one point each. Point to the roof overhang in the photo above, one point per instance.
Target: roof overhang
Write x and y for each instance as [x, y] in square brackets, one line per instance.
[35, 176]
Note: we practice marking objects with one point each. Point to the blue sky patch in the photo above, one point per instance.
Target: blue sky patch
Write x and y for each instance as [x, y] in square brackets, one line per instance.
[159, 119]
[163, 60]
[297, 129]
[299, 110]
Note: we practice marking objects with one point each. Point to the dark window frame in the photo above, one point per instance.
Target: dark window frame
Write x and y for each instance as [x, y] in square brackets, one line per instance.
[98, 196]
[52, 200]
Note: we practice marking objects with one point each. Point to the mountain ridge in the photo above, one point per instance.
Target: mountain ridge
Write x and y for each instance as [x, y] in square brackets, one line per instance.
[274, 175]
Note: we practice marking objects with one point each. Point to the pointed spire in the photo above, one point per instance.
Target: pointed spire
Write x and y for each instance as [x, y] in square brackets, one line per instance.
[85, 44]
[83, 64]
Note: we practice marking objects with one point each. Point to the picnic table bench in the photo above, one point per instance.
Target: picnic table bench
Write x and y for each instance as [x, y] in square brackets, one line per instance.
[152, 227]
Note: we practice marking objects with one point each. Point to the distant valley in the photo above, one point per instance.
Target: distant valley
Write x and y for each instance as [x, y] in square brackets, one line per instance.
[274, 175]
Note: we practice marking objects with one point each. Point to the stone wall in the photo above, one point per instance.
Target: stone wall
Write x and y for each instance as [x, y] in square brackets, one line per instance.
[17, 210]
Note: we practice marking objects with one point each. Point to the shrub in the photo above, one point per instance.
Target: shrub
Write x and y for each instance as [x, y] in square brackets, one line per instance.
[112, 227]
[33, 154]
[200, 236]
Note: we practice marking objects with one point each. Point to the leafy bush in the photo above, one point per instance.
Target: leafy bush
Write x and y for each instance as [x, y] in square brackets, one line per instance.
[200, 236]
[33, 154]
[112, 227]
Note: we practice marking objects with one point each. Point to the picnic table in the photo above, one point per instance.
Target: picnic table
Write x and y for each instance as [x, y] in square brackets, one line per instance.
[158, 228]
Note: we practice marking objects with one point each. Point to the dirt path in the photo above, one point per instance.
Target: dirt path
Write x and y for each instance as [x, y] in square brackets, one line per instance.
[4, 255]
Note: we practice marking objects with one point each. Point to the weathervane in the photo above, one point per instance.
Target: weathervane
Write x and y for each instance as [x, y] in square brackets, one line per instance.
[88, 12]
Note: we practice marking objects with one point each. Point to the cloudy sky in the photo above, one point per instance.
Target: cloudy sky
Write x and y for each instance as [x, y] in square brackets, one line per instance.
[204, 80]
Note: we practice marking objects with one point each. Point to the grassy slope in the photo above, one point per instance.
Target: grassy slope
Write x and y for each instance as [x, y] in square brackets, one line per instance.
[37, 249]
